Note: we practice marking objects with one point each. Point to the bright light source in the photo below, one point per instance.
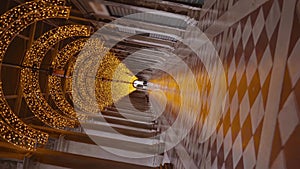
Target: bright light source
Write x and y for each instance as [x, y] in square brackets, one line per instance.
[140, 84]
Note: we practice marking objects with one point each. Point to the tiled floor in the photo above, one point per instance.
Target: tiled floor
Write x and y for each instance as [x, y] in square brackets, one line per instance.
[259, 44]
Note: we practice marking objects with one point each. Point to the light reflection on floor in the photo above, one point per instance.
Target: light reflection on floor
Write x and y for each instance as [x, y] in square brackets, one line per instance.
[258, 44]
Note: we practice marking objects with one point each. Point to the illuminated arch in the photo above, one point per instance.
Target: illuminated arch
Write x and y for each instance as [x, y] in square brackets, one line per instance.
[54, 82]
[30, 78]
[13, 22]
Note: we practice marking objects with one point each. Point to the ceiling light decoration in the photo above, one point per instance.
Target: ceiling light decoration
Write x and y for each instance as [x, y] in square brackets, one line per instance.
[54, 81]
[15, 138]
[30, 78]
[68, 81]
[13, 129]
[84, 84]
[113, 79]
[17, 124]
[17, 12]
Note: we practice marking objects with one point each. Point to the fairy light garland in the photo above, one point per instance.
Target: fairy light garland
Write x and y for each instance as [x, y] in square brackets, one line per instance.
[82, 76]
[20, 126]
[111, 68]
[13, 137]
[112, 82]
[55, 85]
[25, 20]
[13, 22]
[30, 79]
[68, 80]
[17, 12]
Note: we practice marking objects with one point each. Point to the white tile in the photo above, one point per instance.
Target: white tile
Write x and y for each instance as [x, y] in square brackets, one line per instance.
[220, 138]
[230, 3]
[237, 37]
[223, 166]
[229, 41]
[213, 137]
[201, 149]
[251, 67]
[257, 112]
[227, 104]
[240, 10]
[258, 26]
[275, 84]
[205, 148]
[249, 158]
[240, 69]
[279, 162]
[237, 150]
[202, 164]
[215, 163]
[247, 32]
[272, 19]
[227, 143]
[234, 105]
[288, 118]
[219, 43]
[231, 71]
[223, 45]
[293, 64]
[244, 108]
[265, 66]
[208, 162]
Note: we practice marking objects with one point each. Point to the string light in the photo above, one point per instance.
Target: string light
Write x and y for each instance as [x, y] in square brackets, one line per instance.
[25, 20]
[30, 79]
[54, 82]
[17, 12]
[11, 136]
[83, 80]
[12, 22]
[68, 81]
[113, 80]
[18, 125]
